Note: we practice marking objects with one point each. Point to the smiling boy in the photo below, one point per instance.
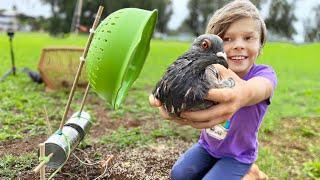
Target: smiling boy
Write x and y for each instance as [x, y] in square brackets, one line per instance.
[232, 155]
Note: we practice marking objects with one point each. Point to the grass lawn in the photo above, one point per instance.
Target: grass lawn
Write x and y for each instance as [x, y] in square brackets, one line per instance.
[289, 135]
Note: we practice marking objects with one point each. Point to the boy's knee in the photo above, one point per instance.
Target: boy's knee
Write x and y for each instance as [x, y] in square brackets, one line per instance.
[178, 173]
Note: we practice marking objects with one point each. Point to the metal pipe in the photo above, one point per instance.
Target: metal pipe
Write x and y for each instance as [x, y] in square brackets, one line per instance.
[62, 144]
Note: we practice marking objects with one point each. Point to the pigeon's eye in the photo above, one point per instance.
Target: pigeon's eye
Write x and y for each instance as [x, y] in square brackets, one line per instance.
[205, 44]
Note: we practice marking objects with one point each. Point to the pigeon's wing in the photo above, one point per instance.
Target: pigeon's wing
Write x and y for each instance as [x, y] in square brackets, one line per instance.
[173, 76]
[184, 95]
[215, 80]
[194, 96]
[184, 86]
[211, 79]
[168, 89]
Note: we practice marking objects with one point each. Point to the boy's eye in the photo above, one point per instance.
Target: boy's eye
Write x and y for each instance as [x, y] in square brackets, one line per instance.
[248, 38]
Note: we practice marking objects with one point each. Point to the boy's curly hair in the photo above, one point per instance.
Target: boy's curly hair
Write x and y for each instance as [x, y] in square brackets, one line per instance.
[233, 11]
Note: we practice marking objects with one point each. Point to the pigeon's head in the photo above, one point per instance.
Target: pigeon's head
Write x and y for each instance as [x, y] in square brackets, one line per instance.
[211, 44]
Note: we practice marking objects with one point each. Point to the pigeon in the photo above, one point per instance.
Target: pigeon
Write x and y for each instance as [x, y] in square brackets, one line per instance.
[188, 79]
[35, 76]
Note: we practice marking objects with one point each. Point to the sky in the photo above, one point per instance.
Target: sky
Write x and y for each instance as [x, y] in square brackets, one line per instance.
[29, 7]
[180, 11]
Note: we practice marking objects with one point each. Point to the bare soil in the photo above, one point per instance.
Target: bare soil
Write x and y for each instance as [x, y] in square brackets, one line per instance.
[18, 147]
[153, 161]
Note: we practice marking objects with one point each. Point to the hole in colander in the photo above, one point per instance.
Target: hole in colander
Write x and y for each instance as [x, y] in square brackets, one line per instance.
[113, 23]
[101, 49]
[105, 40]
[108, 31]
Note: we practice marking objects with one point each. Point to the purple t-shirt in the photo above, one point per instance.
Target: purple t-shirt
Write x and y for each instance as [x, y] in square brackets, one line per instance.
[241, 141]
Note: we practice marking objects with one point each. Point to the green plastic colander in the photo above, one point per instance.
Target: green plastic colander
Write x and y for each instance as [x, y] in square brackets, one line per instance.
[118, 51]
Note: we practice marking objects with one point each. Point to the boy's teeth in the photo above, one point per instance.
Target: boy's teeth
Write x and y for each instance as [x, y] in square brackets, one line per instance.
[237, 57]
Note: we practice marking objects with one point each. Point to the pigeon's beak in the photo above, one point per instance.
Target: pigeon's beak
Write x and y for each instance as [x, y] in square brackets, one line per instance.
[222, 54]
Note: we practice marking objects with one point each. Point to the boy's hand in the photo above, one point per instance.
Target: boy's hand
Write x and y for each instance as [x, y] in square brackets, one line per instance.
[229, 100]
[156, 103]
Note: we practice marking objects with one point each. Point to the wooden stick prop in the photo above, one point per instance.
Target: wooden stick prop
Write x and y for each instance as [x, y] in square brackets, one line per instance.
[82, 60]
[107, 161]
[37, 169]
[84, 98]
[44, 160]
[105, 164]
[43, 168]
[47, 119]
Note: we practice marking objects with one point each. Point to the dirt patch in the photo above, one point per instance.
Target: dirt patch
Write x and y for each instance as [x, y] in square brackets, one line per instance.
[154, 161]
[20, 146]
[105, 125]
[151, 162]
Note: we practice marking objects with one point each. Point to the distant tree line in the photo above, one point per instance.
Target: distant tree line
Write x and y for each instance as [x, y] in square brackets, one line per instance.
[281, 18]
[62, 12]
[200, 13]
[312, 30]
[279, 21]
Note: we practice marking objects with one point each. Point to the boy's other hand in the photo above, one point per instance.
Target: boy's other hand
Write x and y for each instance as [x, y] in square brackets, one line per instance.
[154, 102]
[229, 100]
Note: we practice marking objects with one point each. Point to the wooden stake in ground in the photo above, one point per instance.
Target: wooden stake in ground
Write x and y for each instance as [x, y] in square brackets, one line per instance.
[42, 163]
[43, 168]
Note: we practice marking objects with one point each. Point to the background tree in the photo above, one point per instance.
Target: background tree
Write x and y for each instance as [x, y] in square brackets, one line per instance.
[201, 12]
[62, 12]
[165, 11]
[312, 30]
[34, 23]
[258, 3]
[193, 21]
[61, 17]
[281, 18]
